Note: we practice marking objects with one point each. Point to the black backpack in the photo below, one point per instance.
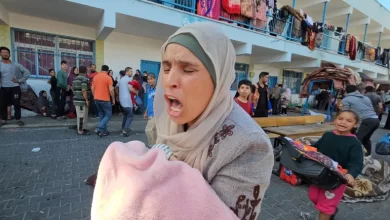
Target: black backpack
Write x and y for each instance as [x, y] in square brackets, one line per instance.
[310, 171]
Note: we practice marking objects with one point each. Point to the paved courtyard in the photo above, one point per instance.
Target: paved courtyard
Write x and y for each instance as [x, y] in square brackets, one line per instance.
[49, 184]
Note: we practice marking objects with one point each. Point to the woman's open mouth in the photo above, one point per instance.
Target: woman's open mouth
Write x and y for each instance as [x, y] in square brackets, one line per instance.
[174, 106]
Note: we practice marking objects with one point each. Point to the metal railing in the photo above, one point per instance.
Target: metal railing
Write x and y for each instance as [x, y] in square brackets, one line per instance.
[329, 40]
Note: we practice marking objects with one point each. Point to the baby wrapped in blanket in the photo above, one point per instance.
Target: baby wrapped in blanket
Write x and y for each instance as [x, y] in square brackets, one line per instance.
[136, 183]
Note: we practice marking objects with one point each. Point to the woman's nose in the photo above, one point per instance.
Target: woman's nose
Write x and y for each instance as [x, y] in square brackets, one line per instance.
[173, 78]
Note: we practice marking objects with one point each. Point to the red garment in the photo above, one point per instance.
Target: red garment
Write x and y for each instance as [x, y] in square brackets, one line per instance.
[232, 6]
[246, 106]
[352, 48]
[135, 84]
[91, 76]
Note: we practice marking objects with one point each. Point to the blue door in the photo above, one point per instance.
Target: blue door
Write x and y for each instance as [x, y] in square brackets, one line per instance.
[150, 67]
[272, 80]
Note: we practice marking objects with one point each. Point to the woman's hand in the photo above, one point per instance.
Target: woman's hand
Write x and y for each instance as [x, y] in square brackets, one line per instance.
[350, 179]
[173, 158]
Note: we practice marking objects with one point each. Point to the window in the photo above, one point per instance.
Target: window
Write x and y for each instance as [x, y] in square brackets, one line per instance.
[40, 52]
[241, 73]
[292, 80]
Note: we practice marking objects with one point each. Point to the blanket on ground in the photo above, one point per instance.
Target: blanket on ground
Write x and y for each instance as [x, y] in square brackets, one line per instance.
[136, 183]
[372, 185]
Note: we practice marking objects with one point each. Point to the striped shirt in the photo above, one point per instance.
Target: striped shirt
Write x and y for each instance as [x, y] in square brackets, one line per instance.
[80, 83]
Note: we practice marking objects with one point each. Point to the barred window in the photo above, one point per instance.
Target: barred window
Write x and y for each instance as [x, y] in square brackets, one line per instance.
[39, 52]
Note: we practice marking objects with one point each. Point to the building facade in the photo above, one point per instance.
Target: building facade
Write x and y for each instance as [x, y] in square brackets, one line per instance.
[121, 33]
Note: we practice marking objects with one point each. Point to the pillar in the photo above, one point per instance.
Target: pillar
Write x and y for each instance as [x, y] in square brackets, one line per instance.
[324, 12]
[347, 23]
[99, 53]
[5, 36]
[365, 33]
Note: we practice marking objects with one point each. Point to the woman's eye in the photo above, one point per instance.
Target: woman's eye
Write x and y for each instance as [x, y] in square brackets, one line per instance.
[188, 71]
[167, 70]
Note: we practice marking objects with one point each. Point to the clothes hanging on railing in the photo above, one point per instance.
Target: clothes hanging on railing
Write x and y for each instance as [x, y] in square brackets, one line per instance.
[271, 3]
[260, 18]
[210, 8]
[385, 57]
[248, 8]
[352, 48]
[232, 6]
[361, 50]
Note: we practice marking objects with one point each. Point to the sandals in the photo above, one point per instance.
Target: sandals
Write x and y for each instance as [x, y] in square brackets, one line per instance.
[85, 132]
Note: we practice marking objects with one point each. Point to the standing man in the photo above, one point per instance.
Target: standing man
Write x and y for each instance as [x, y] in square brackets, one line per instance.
[376, 100]
[275, 98]
[103, 90]
[362, 106]
[62, 87]
[81, 91]
[92, 107]
[11, 76]
[262, 96]
[125, 100]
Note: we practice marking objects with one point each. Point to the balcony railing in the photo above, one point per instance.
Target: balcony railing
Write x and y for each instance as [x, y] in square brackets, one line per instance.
[288, 27]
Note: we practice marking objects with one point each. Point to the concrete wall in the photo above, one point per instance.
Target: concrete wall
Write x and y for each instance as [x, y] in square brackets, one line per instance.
[50, 26]
[122, 50]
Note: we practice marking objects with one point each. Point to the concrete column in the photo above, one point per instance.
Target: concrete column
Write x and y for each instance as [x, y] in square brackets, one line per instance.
[99, 52]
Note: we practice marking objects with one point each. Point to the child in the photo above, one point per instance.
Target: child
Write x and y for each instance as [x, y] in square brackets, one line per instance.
[286, 97]
[343, 147]
[242, 96]
[150, 130]
[135, 84]
[42, 104]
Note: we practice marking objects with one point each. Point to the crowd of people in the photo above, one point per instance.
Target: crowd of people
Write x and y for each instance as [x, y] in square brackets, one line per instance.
[100, 95]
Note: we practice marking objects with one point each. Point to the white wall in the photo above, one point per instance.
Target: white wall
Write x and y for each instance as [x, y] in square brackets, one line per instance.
[50, 26]
[122, 50]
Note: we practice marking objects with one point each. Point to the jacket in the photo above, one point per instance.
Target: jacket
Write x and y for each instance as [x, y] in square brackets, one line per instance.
[360, 104]
[21, 74]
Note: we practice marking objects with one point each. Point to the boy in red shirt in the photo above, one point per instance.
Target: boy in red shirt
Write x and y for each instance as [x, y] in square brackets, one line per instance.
[135, 84]
[242, 96]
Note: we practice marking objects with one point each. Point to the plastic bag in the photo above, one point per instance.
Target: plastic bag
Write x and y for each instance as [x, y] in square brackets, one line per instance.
[383, 145]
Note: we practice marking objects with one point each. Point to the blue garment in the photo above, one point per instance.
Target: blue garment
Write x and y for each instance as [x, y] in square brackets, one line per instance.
[150, 93]
[105, 113]
[269, 107]
[128, 117]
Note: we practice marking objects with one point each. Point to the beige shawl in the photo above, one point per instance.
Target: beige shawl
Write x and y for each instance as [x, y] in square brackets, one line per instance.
[191, 146]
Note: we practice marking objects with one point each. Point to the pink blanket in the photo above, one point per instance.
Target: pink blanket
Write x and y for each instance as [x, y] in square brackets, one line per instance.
[136, 183]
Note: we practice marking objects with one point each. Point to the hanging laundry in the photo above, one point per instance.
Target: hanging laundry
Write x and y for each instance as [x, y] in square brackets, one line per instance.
[309, 19]
[248, 8]
[271, 3]
[232, 6]
[261, 10]
[260, 18]
[224, 15]
[352, 48]
[209, 8]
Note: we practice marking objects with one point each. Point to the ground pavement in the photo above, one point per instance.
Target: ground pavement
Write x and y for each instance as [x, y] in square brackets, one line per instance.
[49, 184]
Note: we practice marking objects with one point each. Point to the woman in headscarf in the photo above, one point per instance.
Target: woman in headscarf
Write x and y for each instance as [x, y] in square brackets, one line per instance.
[198, 122]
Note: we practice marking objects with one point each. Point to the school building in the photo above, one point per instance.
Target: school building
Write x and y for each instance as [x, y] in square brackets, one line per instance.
[121, 33]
